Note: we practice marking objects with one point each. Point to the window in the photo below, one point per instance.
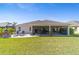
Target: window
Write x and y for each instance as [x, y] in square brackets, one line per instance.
[23, 32]
[19, 28]
[75, 27]
[30, 29]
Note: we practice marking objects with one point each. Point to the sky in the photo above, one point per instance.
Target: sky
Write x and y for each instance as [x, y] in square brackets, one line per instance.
[26, 12]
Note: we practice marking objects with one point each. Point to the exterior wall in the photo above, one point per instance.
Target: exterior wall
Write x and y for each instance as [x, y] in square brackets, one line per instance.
[26, 29]
[76, 30]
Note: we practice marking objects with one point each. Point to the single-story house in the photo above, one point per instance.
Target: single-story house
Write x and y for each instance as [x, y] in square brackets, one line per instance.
[44, 27]
[47, 27]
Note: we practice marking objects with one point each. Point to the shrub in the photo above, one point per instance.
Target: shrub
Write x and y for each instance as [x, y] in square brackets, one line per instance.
[71, 31]
[11, 30]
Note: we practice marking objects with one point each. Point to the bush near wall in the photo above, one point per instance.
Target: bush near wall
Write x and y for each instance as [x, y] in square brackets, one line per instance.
[11, 30]
[71, 31]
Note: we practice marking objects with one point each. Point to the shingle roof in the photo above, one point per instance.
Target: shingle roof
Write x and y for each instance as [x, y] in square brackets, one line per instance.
[44, 23]
[73, 23]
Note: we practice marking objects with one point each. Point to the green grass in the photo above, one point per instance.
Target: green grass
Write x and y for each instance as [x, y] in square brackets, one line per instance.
[39, 45]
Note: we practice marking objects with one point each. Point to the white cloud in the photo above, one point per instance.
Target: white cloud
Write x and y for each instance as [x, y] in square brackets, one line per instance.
[25, 5]
[21, 6]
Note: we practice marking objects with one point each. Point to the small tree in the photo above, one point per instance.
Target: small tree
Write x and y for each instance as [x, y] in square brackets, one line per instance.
[11, 30]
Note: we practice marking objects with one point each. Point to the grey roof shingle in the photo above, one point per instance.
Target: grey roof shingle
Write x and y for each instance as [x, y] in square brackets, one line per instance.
[44, 23]
[73, 23]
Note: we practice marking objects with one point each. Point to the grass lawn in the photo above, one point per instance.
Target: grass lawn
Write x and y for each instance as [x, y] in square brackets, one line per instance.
[39, 45]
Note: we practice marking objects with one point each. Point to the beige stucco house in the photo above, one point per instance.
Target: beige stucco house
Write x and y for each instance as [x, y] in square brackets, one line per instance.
[47, 27]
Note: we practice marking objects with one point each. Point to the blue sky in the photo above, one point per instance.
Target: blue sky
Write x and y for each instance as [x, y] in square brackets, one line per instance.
[27, 12]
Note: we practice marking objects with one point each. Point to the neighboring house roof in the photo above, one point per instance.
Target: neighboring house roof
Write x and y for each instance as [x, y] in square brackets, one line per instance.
[44, 23]
[6, 24]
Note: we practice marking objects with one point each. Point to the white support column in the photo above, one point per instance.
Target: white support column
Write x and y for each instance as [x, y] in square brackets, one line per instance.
[31, 29]
[50, 30]
[68, 30]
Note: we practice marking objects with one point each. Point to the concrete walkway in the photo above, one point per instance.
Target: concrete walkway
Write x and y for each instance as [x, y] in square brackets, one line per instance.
[26, 35]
